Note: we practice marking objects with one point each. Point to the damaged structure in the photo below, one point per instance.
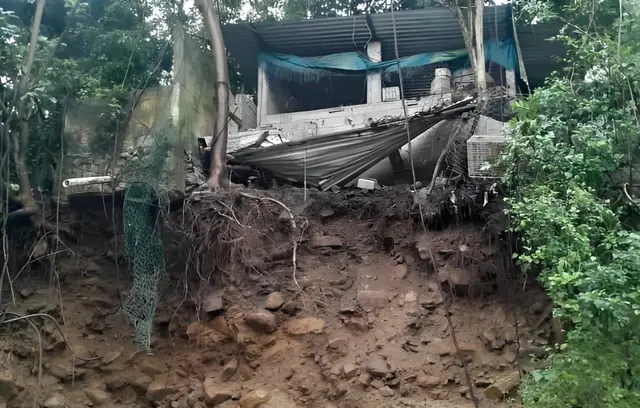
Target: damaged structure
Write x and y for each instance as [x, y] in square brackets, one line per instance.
[327, 108]
[328, 90]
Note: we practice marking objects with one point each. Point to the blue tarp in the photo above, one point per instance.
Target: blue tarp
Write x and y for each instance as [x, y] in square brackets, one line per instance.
[310, 69]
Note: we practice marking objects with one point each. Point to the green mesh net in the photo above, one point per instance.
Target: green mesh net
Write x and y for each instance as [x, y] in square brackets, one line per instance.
[143, 247]
[145, 209]
[156, 165]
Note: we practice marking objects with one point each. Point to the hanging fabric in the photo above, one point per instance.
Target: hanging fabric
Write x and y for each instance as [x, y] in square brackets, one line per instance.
[311, 69]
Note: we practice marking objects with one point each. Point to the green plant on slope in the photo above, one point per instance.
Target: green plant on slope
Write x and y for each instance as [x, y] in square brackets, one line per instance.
[571, 146]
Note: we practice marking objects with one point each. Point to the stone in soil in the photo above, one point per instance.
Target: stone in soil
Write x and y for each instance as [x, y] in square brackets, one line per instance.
[347, 305]
[377, 367]
[55, 401]
[339, 391]
[65, 373]
[7, 385]
[364, 379]
[386, 391]
[339, 344]
[262, 321]
[411, 297]
[111, 356]
[489, 336]
[510, 356]
[325, 241]
[531, 350]
[152, 366]
[401, 271]
[229, 370]
[440, 347]
[349, 371]
[215, 394]
[305, 325]
[25, 293]
[139, 381]
[503, 385]
[161, 387]
[254, 399]
[213, 302]
[428, 381]
[274, 301]
[290, 307]
[372, 299]
[96, 396]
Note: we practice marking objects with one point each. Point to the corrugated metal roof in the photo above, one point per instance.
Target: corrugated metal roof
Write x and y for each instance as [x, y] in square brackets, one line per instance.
[540, 56]
[418, 31]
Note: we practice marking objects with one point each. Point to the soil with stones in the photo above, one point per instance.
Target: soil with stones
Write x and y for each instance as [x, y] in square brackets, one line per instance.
[364, 326]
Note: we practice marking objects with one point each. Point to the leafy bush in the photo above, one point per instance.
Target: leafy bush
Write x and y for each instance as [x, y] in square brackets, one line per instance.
[571, 146]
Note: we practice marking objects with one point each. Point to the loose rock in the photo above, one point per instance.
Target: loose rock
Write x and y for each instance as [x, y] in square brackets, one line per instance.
[510, 356]
[364, 379]
[306, 325]
[97, 397]
[213, 303]
[139, 381]
[7, 385]
[152, 366]
[347, 305]
[254, 399]
[377, 384]
[25, 293]
[290, 307]
[112, 356]
[349, 371]
[440, 347]
[325, 241]
[229, 370]
[489, 336]
[503, 385]
[274, 301]
[377, 367]
[339, 391]
[428, 381]
[215, 394]
[339, 344]
[371, 299]
[386, 391]
[55, 401]
[262, 322]
[401, 271]
[411, 297]
[531, 350]
[160, 388]
[65, 373]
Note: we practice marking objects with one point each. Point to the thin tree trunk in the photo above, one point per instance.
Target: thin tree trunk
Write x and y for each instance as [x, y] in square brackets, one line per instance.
[481, 77]
[466, 26]
[218, 177]
[22, 144]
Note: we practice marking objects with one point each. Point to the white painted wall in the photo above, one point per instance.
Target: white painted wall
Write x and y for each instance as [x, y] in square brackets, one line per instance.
[299, 125]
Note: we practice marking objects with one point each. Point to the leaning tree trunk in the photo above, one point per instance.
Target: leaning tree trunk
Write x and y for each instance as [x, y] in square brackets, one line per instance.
[21, 143]
[218, 172]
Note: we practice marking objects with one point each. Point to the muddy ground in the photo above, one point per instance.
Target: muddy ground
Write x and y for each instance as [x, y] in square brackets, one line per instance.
[363, 327]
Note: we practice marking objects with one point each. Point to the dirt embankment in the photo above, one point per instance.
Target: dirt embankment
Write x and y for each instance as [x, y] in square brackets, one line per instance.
[362, 325]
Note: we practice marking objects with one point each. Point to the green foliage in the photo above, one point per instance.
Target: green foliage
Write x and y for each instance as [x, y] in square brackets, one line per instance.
[571, 146]
[87, 49]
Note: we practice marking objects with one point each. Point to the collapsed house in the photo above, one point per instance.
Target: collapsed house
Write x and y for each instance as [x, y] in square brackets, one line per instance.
[329, 89]
[327, 108]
